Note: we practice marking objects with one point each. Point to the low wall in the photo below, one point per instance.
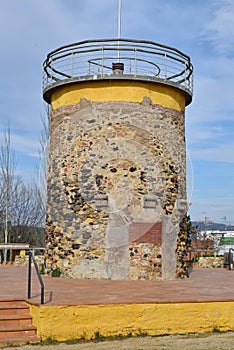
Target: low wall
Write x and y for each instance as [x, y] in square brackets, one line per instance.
[209, 262]
[92, 321]
[22, 260]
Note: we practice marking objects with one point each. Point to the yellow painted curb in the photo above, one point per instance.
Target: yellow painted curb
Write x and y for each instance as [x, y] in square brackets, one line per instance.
[89, 321]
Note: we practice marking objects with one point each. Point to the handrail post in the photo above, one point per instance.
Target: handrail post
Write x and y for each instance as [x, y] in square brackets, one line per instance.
[230, 259]
[72, 64]
[42, 295]
[29, 276]
[102, 59]
[165, 66]
[31, 258]
[135, 61]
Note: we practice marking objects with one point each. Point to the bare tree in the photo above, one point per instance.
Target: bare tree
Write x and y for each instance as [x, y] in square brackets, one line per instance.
[6, 172]
[22, 208]
[9, 182]
[27, 214]
[28, 209]
[43, 155]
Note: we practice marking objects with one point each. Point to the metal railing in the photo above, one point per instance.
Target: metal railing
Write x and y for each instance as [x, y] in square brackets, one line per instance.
[228, 259]
[32, 258]
[93, 59]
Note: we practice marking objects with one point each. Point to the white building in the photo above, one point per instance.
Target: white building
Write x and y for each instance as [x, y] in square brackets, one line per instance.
[223, 240]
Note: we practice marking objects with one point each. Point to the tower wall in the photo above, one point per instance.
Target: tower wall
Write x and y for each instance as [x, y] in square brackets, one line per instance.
[117, 178]
[119, 90]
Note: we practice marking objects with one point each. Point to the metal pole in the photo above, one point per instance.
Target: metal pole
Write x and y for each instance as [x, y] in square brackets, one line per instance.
[102, 59]
[230, 259]
[135, 62]
[72, 64]
[119, 27]
[32, 258]
[185, 72]
[42, 295]
[7, 184]
[119, 19]
[165, 66]
[39, 278]
[29, 275]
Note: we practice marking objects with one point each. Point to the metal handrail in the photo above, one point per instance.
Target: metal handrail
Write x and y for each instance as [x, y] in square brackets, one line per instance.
[91, 59]
[230, 258]
[32, 258]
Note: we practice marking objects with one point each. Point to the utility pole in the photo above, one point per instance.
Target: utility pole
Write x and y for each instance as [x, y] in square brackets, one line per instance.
[225, 222]
[7, 182]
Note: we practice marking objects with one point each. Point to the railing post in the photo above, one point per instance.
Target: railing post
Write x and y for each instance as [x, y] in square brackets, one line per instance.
[31, 258]
[165, 66]
[51, 75]
[42, 295]
[102, 59]
[135, 62]
[185, 71]
[29, 275]
[230, 259]
[72, 64]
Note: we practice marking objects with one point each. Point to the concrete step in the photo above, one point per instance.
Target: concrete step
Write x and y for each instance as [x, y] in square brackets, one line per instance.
[16, 323]
[19, 341]
[17, 331]
[15, 320]
[13, 307]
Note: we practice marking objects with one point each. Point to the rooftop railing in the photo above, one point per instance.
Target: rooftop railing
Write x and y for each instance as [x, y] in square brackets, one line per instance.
[117, 59]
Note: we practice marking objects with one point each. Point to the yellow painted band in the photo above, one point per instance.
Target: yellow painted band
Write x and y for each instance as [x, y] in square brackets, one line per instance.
[75, 322]
[120, 90]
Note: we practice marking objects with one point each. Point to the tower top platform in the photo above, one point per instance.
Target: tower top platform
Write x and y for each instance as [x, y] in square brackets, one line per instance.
[117, 59]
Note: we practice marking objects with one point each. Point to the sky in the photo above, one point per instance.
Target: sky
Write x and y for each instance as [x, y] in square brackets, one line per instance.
[203, 29]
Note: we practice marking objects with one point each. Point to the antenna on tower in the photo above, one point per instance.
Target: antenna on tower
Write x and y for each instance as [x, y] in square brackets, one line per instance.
[119, 18]
[119, 25]
[118, 67]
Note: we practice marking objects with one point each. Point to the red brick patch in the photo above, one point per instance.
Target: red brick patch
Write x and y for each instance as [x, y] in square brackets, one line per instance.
[145, 232]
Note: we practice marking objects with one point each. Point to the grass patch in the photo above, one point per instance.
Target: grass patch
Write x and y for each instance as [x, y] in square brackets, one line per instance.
[216, 329]
[56, 272]
[98, 337]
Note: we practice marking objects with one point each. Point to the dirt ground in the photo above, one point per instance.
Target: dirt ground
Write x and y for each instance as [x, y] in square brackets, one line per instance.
[213, 341]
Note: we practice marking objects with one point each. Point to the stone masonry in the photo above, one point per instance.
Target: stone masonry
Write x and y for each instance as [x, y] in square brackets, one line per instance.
[116, 182]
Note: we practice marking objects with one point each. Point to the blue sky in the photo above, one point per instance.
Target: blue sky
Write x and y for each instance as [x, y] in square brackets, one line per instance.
[203, 29]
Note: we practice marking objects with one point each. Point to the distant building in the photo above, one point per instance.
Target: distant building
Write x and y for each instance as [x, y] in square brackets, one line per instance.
[223, 240]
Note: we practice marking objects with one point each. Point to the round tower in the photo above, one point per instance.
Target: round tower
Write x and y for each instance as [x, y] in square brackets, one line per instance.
[117, 200]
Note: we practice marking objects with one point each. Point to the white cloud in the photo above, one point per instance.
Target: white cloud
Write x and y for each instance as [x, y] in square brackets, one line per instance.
[220, 30]
[221, 153]
[212, 98]
[25, 144]
[198, 133]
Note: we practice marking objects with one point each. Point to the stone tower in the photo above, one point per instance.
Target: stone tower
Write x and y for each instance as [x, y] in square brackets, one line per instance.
[117, 160]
